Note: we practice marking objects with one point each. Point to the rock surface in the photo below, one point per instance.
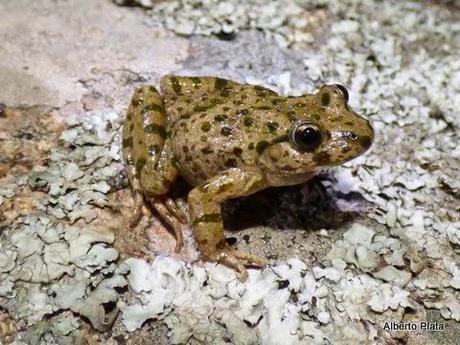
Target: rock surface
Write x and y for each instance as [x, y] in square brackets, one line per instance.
[370, 243]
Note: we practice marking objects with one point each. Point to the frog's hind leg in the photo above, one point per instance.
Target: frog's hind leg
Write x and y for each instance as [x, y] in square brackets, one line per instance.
[206, 216]
[134, 145]
[156, 178]
[148, 157]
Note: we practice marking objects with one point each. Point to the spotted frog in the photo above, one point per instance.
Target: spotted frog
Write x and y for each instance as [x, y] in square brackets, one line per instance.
[229, 140]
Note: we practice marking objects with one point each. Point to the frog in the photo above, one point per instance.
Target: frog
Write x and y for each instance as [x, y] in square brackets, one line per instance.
[229, 140]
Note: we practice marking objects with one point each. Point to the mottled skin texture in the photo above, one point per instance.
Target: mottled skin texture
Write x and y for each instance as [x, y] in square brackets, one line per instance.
[230, 140]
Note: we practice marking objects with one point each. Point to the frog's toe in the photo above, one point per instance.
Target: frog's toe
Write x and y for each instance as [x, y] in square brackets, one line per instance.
[171, 220]
[226, 258]
[175, 210]
[137, 212]
[250, 259]
[238, 260]
[179, 241]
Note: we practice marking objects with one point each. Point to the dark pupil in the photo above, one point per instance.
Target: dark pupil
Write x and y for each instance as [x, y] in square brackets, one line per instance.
[310, 138]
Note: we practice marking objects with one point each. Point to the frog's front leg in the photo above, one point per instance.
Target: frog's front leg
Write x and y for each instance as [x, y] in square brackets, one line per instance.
[206, 217]
[148, 156]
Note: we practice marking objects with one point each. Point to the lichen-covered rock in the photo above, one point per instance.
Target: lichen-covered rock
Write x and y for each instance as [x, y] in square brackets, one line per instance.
[392, 275]
[284, 21]
[66, 260]
[391, 253]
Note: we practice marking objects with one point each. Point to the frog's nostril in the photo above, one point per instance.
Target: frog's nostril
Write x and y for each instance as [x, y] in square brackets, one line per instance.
[349, 135]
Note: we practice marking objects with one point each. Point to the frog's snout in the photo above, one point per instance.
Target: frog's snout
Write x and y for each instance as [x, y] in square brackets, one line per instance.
[349, 143]
[365, 141]
[366, 138]
[360, 140]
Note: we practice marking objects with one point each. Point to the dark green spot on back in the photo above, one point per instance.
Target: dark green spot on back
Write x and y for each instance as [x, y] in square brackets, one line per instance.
[276, 101]
[220, 118]
[196, 82]
[292, 115]
[206, 126]
[248, 121]
[154, 107]
[316, 117]
[261, 146]
[140, 164]
[127, 142]
[201, 107]
[281, 139]
[207, 150]
[237, 151]
[177, 88]
[272, 126]
[221, 86]
[153, 128]
[262, 91]
[336, 118]
[136, 101]
[264, 107]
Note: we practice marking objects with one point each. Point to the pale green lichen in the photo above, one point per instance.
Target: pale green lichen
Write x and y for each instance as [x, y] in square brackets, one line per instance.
[69, 261]
[378, 267]
[277, 19]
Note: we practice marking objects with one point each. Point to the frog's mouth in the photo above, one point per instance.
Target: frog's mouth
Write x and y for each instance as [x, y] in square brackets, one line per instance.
[331, 159]
[289, 178]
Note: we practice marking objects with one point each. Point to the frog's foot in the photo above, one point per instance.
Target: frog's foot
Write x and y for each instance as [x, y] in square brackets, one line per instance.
[165, 214]
[238, 260]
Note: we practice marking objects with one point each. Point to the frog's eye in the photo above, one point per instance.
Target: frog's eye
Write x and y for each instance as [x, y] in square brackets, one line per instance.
[344, 90]
[306, 136]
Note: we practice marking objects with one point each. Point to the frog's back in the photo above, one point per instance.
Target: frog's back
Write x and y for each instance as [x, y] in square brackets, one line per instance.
[188, 96]
[217, 124]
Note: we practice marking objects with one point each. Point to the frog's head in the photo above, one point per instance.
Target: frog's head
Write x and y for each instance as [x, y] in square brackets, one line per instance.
[331, 133]
[324, 132]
